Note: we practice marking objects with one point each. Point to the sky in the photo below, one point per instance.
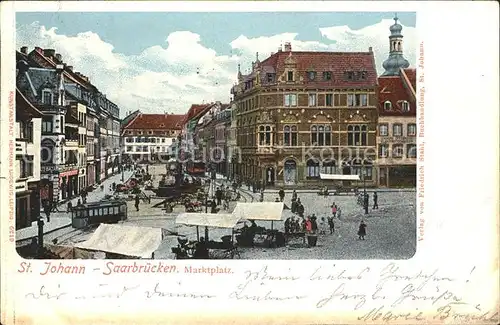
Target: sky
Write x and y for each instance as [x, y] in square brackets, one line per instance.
[164, 62]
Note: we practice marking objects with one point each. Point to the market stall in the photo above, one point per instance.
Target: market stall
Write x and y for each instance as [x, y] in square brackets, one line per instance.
[119, 241]
[254, 235]
[189, 249]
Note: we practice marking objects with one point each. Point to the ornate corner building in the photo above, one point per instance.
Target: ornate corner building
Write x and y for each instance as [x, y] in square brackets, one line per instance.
[397, 128]
[301, 113]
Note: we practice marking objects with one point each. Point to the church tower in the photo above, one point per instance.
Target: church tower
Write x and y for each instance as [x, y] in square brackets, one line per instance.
[396, 60]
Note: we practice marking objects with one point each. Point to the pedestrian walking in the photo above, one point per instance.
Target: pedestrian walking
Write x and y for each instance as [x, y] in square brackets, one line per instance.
[218, 196]
[281, 194]
[375, 200]
[322, 226]
[362, 230]
[331, 224]
[339, 212]
[334, 210]
[137, 201]
[294, 195]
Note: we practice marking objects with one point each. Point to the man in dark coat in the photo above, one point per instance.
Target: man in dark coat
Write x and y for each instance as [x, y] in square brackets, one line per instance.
[137, 201]
[218, 196]
[281, 193]
[375, 200]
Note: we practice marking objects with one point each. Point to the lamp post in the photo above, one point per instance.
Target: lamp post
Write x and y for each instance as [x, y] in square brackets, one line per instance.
[365, 195]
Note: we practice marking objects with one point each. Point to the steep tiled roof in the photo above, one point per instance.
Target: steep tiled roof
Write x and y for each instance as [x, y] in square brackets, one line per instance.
[196, 110]
[338, 63]
[24, 108]
[156, 121]
[412, 76]
[392, 88]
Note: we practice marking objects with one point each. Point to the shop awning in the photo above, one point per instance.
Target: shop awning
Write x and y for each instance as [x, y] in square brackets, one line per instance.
[124, 240]
[271, 211]
[339, 177]
[217, 220]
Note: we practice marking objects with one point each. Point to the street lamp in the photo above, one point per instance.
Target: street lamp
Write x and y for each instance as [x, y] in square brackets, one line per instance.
[365, 195]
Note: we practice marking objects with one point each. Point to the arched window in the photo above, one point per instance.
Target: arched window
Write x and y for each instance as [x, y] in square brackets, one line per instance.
[312, 168]
[356, 167]
[294, 135]
[321, 135]
[387, 105]
[399, 46]
[314, 135]
[290, 135]
[357, 135]
[262, 135]
[368, 169]
[350, 135]
[286, 135]
[405, 106]
[328, 166]
[364, 135]
[47, 152]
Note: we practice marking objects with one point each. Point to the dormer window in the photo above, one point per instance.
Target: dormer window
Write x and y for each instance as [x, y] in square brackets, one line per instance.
[290, 76]
[405, 106]
[387, 105]
[327, 75]
[350, 75]
[311, 75]
[363, 75]
[47, 97]
[270, 77]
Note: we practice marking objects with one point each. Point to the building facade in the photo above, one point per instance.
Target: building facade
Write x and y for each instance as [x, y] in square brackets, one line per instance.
[72, 109]
[397, 128]
[299, 114]
[27, 164]
[149, 137]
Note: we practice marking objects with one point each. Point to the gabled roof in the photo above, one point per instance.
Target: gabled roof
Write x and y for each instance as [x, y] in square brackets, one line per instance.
[156, 121]
[396, 89]
[338, 63]
[24, 108]
[196, 110]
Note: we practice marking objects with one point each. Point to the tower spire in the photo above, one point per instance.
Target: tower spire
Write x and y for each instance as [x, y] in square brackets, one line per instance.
[396, 60]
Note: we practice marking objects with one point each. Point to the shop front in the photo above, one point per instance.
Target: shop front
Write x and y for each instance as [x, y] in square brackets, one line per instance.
[69, 184]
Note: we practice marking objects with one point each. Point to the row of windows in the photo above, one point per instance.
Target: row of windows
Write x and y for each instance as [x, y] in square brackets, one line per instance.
[145, 149]
[353, 100]
[25, 131]
[398, 151]
[405, 105]
[145, 140]
[397, 130]
[150, 132]
[320, 135]
[313, 169]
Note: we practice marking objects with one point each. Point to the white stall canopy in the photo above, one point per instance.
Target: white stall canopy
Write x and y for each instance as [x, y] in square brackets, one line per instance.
[339, 177]
[124, 240]
[219, 220]
[271, 211]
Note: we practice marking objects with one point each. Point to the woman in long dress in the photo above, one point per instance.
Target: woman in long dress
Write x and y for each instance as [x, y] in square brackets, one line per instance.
[362, 230]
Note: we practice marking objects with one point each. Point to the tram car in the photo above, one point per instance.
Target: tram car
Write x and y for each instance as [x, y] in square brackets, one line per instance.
[94, 213]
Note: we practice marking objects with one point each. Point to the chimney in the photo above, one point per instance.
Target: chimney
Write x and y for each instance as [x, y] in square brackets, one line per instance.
[49, 53]
[279, 48]
[288, 47]
[24, 50]
[70, 68]
[59, 57]
[39, 50]
[370, 49]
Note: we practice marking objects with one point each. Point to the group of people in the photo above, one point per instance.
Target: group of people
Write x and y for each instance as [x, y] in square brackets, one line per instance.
[223, 196]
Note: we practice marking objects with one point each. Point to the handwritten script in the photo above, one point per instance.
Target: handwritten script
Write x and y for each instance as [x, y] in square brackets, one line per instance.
[386, 294]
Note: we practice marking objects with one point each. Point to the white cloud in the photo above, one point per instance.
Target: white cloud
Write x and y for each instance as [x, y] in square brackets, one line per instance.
[376, 36]
[172, 76]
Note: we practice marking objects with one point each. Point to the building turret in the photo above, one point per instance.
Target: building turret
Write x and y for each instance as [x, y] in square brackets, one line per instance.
[396, 60]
